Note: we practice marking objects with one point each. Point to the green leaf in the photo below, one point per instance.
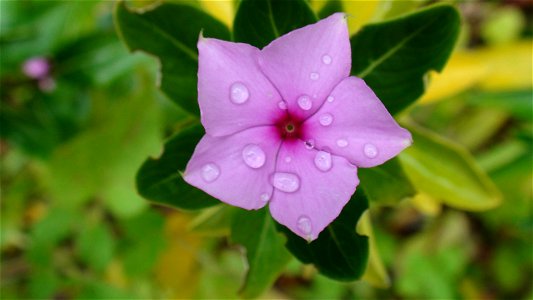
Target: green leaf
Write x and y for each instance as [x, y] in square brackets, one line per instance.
[331, 7]
[170, 32]
[516, 103]
[265, 252]
[214, 221]
[95, 246]
[386, 184]
[448, 172]
[393, 56]
[102, 161]
[338, 252]
[258, 22]
[160, 180]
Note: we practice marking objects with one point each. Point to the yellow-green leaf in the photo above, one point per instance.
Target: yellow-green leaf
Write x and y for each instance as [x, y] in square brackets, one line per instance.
[446, 171]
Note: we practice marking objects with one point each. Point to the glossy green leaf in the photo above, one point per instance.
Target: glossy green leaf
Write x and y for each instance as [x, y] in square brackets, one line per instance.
[170, 32]
[265, 251]
[386, 184]
[446, 171]
[393, 56]
[338, 252]
[160, 180]
[258, 22]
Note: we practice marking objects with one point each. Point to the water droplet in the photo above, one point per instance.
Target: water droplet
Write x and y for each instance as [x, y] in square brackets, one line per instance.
[323, 161]
[253, 156]
[330, 99]
[370, 151]
[407, 142]
[264, 197]
[304, 102]
[309, 144]
[210, 172]
[286, 182]
[288, 159]
[282, 105]
[304, 225]
[342, 143]
[325, 119]
[239, 93]
[314, 76]
[326, 59]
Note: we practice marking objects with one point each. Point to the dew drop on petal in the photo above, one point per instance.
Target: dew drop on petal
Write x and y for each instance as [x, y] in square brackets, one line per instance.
[282, 105]
[314, 76]
[210, 172]
[330, 99]
[407, 142]
[286, 182]
[304, 102]
[253, 156]
[239, 93]
[342, 143]
[323, 161]
[304, 225]
[325, 119]
[370, 151]
[288, 159]
[309, 144]
[326, 59]
[264, 197]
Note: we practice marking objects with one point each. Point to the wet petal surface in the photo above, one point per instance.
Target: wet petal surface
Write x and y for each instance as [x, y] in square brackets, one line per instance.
[307, 63]
[236, 169]
[311, 188]
[233, 93]
[358, 126]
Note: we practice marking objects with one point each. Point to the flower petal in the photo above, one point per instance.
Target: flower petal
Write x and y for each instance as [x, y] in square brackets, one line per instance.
[236, 169]
[353, 123]
[308, 62]
[312, 187]
[233, 93]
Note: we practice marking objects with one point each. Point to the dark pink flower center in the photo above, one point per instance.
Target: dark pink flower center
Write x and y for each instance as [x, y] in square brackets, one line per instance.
[289, 127]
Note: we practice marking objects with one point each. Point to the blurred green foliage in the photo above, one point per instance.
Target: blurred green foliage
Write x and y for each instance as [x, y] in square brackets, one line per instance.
[73, 226]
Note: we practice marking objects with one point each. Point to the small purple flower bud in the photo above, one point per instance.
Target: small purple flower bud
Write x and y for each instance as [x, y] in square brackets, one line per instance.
[36, 67]
[47, 84]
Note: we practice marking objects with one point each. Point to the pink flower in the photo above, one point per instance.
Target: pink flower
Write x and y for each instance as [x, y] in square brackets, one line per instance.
[285, 125]
[36, 67]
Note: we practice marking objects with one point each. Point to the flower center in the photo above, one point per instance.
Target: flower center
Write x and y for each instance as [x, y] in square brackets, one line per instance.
[289, 127]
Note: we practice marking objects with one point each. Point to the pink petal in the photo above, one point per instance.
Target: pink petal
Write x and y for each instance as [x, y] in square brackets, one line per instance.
[233, 93]
[354, 124]
[312, 187]
[236, 169]
[308, 62]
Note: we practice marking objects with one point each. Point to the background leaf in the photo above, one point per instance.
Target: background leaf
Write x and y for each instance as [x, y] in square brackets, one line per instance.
[386, 183]
[170, 32]
[447, 172]
[260, 22]
[393, 57]
[338, 252]
[160, 179]
[265, 252]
